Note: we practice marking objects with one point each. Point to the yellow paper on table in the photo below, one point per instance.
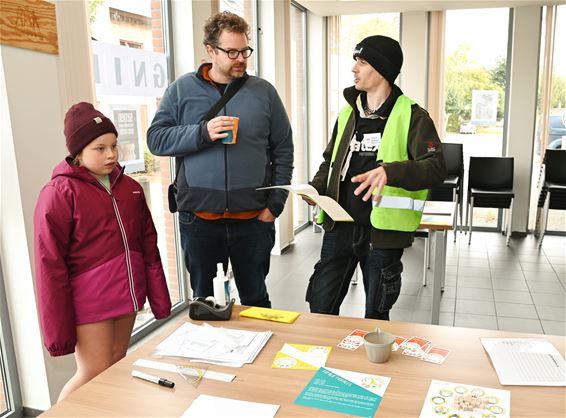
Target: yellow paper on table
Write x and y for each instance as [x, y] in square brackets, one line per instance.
[301, 357]
[277, 315]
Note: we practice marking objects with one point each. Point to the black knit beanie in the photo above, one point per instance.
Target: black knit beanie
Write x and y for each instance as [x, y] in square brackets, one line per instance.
[382, 53]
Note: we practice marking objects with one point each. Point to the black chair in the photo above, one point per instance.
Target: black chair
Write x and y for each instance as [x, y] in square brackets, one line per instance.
[451, 190]
[490, 185]
[553, 192]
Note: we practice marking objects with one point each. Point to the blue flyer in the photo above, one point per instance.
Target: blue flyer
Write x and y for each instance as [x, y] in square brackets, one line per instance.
[351, 393]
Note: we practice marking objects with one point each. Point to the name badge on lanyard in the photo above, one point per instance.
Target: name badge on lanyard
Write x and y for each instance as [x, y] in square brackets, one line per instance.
[371, 141]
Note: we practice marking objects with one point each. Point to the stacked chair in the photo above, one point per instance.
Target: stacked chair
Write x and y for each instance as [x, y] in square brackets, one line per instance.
[451, 190]
[553, 191]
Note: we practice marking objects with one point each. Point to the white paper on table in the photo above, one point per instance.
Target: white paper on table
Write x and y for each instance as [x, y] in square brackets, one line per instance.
[206, 406]
[210, 343]
[526, 361]
[327, 204]
[168, 367]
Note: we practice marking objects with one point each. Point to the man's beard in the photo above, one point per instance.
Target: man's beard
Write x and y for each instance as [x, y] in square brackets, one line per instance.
[237, 71]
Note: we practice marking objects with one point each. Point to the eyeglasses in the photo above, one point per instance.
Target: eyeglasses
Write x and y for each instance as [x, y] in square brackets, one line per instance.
[234, 53]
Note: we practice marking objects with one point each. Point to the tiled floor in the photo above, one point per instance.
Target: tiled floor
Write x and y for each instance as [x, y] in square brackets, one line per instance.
[488, 285]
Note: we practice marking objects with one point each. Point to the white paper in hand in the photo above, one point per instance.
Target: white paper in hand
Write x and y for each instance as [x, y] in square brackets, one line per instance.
[327, 204]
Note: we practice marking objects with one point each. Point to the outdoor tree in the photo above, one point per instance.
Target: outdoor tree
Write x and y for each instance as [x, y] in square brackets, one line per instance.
[92, 8]
[366, 26]
[463, 75]
[498, 76]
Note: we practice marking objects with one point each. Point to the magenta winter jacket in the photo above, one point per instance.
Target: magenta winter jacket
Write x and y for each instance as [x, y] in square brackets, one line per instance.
[96, 254]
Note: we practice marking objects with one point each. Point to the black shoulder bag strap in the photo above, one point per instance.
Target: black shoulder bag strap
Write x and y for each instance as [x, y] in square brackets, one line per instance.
[236, 85]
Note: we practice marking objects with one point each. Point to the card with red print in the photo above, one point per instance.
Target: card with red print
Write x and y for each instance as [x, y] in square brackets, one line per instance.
[436, 355]
[415, 346]
[354, 340]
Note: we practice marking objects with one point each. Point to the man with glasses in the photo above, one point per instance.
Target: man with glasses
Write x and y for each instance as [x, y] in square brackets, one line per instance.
[221, 214]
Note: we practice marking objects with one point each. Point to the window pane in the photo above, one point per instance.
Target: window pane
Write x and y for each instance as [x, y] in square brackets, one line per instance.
[130, 70]
[475, 78]
[345, 33]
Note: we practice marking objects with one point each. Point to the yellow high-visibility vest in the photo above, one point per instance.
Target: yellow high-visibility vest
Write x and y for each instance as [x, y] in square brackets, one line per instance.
[397, 209]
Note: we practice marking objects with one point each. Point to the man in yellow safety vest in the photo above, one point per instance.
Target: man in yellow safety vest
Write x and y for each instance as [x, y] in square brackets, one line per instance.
[383, 157]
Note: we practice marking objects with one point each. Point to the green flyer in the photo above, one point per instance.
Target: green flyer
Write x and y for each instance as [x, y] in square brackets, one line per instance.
[351, 393]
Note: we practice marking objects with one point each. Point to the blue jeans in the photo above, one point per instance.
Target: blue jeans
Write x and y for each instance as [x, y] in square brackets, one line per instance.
[247, 243]
[342, 249]
[382, 281]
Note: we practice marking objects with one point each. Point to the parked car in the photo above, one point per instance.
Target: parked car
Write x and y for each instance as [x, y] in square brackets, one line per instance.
[556, 130]
[467, 128]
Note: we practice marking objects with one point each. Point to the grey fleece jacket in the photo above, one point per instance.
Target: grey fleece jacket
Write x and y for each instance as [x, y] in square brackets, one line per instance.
[223, 178]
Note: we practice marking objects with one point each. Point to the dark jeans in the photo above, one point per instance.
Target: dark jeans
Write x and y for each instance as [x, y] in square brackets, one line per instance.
[382, 281]
[342, 249]
[247, 243]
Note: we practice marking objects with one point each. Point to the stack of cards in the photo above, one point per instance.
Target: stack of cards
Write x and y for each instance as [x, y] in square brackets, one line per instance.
[421, 348]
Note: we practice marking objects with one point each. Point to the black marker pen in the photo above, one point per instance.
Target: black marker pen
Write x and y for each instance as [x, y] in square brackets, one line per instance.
[154, 379]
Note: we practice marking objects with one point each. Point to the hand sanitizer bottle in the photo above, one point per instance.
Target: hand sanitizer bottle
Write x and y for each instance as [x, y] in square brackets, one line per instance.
[218, 285]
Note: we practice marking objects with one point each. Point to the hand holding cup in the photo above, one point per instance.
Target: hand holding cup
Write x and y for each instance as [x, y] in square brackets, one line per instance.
[224, 128]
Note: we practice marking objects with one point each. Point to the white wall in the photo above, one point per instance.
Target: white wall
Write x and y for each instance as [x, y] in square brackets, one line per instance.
[274, 66]
[521, 117]
[15, 259]
[414, 42]
[31, 123]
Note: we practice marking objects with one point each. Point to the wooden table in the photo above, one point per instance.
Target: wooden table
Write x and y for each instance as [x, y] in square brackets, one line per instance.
[438, 218]
[114, 393]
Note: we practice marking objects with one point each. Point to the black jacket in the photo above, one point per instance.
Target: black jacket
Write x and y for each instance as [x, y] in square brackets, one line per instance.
[425, 168]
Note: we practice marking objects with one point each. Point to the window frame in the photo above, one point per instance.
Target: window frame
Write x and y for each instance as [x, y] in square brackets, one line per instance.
[8, 365]
[307, 209]
[182, 274]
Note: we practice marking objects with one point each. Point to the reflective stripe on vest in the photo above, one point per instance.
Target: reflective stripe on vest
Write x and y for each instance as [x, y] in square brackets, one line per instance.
[398, 209]
[343, 117]
[398, 202]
